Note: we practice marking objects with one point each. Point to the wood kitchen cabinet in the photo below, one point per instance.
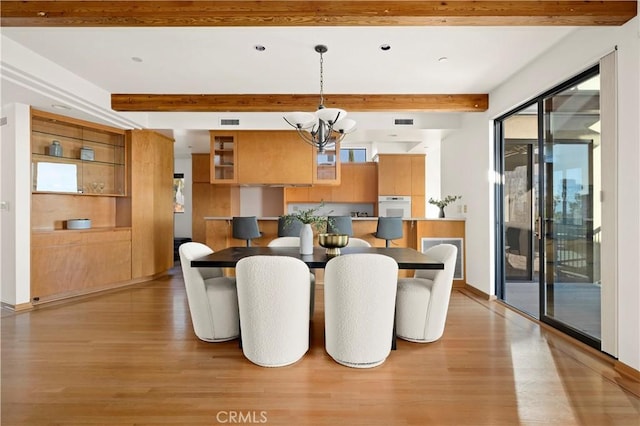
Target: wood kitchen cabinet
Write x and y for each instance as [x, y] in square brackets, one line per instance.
[403, 174]
[223, 156]
[274, 157]
[208, 199]
[358, 184]
[326, 166]
[394, 174]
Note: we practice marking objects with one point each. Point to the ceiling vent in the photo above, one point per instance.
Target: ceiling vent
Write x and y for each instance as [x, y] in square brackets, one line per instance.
[403, 121]
[229, 121]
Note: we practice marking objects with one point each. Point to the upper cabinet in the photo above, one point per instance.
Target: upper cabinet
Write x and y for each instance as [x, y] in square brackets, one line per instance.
[76, 157]
[274, 157]
[326, 166]
[270, 157]
[394, 174]
[403, 174]
[224, 157]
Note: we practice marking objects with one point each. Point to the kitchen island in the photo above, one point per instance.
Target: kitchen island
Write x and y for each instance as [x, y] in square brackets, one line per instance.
[415, 230]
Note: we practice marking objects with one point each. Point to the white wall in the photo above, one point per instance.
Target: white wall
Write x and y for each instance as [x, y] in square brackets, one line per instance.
[467, 162]
[15, 191]
[182, 227]
[261, 201]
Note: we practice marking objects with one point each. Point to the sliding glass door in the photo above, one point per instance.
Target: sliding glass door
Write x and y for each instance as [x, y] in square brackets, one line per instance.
[549, 208]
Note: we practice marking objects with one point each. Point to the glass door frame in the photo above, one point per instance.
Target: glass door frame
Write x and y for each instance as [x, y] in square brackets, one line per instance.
[499, 218]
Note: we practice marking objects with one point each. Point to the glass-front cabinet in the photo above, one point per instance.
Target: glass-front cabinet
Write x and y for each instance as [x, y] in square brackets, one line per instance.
[224, 157]
[71, 156]
[326, 166]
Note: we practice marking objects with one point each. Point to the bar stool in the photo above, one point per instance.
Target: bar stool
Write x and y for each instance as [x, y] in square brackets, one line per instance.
[389, 228]
[289, 228]
[339, 225]
[245, 228]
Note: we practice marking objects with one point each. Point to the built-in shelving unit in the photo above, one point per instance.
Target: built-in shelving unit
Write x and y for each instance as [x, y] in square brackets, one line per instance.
[72, 156]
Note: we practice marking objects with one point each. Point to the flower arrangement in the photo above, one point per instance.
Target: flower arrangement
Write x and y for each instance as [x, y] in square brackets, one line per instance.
[445, 201]
[309, 217]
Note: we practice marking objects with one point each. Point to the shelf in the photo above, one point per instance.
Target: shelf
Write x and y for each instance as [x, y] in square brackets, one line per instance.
[69, 173]
[64, 159]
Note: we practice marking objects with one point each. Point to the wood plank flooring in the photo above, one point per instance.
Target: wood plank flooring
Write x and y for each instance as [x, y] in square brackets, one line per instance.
[130, 357]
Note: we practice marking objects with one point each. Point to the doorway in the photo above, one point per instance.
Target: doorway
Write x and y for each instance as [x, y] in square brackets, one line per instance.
[549, 208]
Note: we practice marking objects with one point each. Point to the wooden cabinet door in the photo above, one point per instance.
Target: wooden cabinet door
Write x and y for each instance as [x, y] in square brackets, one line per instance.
[200, 168]
[273, 157]
[365, 179]
[394, 174]
[418, 174]
[151, 203]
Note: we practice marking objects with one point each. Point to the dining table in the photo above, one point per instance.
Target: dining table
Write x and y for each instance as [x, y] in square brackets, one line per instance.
[407, 258]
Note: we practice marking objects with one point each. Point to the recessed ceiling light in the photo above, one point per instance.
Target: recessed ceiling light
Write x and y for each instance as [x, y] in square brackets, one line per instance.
[136, 59]
[385, 47]
[443, 59]
[59, 106]
[259, 48]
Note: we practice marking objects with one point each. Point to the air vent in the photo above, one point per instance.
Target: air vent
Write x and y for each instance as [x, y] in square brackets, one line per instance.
[403, 121]
[229, 122]
[458, 274]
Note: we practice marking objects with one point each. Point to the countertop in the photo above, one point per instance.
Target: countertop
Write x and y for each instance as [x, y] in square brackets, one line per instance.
[408, 219]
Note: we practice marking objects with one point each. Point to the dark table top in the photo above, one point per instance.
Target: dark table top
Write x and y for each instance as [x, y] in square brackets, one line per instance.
[407, 258]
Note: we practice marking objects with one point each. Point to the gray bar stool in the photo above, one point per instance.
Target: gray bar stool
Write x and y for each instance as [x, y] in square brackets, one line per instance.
[245, 228]
[389, 228]
[289, 228]
[339, 225]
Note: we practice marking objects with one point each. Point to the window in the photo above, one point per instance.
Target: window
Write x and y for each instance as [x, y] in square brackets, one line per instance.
[353, 155]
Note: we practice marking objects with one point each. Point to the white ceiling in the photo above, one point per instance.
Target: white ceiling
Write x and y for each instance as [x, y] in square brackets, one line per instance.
[224, 61]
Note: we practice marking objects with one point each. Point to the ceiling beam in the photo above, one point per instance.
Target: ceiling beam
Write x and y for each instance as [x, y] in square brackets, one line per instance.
[314, 13]
[283, 103]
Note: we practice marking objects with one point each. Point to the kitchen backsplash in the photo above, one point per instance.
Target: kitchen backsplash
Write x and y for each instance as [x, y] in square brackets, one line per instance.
[335, 209]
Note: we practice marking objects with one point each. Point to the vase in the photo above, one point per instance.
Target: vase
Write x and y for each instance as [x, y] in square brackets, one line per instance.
[306, 239]
[441, 215]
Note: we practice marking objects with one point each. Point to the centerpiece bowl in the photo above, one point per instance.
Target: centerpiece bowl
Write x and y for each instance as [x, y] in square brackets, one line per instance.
[333, 242]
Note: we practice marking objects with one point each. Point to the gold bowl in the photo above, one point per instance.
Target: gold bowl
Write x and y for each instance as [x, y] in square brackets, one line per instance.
[333, 242]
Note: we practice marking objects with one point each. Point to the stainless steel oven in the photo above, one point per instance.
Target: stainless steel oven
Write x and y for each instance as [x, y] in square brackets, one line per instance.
[394, 205]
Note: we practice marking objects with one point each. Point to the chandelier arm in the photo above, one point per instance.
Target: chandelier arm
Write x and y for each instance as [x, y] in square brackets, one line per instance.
[306, 136]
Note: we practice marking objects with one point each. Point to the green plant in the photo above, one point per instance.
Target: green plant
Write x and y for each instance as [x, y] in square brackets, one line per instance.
[309, 217]
[445, 201]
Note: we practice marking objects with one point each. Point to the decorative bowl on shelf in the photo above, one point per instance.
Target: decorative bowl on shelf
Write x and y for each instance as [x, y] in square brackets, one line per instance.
[78, 223]
[333, 242]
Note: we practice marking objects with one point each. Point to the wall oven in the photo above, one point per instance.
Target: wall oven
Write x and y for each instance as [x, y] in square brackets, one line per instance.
[394, 205]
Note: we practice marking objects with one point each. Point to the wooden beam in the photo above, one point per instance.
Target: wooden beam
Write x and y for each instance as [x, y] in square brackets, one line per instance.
[283, 103]
[314, 13]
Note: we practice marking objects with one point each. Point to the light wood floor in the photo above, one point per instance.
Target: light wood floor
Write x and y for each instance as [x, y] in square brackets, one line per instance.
[130, 357]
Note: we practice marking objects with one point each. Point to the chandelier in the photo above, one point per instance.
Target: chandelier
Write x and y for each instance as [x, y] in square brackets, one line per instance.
[327, 126]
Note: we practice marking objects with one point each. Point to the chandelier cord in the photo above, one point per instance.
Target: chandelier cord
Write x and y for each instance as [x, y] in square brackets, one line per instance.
[321, 81]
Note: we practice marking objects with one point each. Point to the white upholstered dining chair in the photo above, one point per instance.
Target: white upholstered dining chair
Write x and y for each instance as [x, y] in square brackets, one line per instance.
[273, 297]
[212, 297]
[295, 242]
[422, 302]
[358, 242]
[359, 302]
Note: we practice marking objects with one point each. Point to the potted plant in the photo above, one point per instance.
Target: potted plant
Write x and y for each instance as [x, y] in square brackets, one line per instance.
[444, 202]
[309, 219]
